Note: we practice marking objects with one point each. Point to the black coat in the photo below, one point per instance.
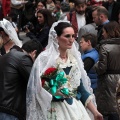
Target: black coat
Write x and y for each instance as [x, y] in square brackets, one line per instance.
[108, 69]
[115, 10]
[40, 35]
[15, 69]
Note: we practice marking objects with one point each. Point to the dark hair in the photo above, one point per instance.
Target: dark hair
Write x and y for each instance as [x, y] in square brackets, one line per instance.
[65, 7]
[91, 37]
[88, 14]
[43, 2]
[32, 45]
[49, 19]
[78, 2]
[113, 29]
[101, 10]
[61, 26]
[8, 18]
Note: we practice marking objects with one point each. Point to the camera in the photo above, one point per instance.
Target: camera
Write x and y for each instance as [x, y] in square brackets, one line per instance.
[29, 25]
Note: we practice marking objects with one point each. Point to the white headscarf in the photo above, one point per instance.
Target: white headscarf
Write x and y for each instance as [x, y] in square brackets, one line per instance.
[10, 31]
[38, 99]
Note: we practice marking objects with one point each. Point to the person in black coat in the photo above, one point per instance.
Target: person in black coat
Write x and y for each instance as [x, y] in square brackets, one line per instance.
[41, 30]
[15, 68]
[113, 7]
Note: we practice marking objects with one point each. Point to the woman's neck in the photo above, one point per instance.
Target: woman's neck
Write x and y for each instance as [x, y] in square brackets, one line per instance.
[63, 55]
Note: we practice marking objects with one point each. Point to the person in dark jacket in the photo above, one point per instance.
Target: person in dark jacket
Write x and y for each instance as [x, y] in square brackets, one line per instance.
[15, 68]
[108, 69]
[113, 7]
[100, 17]
[90, 56]
[41, 31]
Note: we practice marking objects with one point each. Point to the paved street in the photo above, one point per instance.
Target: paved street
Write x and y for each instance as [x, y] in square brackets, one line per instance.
[23, 36]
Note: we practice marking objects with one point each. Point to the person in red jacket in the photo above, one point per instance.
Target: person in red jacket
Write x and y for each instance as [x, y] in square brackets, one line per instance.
[5, 7]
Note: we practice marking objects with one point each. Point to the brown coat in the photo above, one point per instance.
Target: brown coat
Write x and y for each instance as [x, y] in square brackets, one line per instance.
[108, 69]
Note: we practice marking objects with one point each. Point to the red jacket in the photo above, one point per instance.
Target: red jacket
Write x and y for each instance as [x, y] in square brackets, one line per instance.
[6, 7]
[73, 21]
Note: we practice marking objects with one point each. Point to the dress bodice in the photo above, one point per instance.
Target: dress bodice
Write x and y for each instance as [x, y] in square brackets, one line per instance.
[71, 71]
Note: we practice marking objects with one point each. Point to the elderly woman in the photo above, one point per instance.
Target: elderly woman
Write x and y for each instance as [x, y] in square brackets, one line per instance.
[63, 100]
[108, 69]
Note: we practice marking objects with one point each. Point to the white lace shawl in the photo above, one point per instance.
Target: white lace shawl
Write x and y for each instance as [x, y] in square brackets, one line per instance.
[10, 31]
[38, 99]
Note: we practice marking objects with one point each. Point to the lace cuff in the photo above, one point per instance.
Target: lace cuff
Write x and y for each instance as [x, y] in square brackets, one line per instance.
[88, 100]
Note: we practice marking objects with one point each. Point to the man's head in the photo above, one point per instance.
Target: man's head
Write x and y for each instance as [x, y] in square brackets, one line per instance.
[33, 48]
[88, 41]
[100, 15]
[80, 6]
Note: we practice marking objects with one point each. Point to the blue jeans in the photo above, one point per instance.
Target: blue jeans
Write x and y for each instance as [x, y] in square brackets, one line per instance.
[4, 116]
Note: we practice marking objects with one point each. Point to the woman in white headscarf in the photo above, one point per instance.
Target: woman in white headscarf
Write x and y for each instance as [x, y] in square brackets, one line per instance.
[42, 105]
[9, 36]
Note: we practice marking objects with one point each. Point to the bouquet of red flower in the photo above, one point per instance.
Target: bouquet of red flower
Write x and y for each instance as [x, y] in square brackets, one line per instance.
[55, 80]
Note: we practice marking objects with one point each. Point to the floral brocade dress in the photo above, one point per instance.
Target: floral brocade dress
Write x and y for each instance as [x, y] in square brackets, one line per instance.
[71, 108]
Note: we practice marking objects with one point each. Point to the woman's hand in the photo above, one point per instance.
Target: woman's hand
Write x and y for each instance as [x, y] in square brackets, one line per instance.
[98, 116]
[93, 109]
[27, 30]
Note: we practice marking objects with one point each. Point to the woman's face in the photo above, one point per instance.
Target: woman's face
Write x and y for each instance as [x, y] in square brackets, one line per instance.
[104, 34]
[40, 18]
[66, 39]
[40, 6]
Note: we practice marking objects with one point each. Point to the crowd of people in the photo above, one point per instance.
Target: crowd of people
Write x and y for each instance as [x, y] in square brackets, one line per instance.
[69, 69]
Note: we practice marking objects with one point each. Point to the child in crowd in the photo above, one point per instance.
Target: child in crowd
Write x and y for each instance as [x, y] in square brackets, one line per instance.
[90, 56]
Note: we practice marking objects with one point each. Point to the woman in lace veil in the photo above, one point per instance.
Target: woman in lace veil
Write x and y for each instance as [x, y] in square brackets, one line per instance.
[41, 105]
[9, 36]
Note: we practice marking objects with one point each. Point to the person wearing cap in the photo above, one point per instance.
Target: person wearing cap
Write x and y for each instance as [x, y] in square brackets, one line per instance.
[9, 36]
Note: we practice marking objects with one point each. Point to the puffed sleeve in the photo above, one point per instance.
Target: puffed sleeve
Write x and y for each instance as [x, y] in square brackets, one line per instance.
[83, 95]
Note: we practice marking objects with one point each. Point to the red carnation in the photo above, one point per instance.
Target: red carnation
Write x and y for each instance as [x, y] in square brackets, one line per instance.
[48, 74]
[50, 71]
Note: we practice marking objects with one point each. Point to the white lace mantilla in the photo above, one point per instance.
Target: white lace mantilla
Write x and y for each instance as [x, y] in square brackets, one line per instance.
[38, 99]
